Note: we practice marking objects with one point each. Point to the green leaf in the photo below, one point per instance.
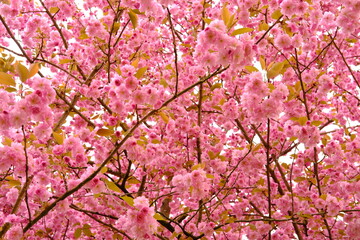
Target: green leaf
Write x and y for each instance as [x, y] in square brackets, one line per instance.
[133, 18]
[128, 200]
[241, 31]
[140, 72]
[7, 79]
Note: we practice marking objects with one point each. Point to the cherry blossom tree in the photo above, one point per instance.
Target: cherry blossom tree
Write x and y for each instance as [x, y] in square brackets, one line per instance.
[171, 119]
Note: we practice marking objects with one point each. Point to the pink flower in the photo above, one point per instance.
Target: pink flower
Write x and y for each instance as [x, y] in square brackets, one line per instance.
[139, 97]
[58, 150]
[131, 83]
[15, 233]
[140, 221]
[283, 41]
[288, 8]
[43, 132]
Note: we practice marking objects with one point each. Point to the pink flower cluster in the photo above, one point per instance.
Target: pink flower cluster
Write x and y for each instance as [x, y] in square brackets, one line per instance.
[139, 221]
[259, 101]
[195, 184]
[215, 47]
[307, 134]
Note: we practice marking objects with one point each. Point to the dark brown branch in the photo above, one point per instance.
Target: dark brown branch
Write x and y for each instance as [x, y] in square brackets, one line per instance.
[271, 27]
[344, 60]
[242, 129]
[175, 52]
[55, 25]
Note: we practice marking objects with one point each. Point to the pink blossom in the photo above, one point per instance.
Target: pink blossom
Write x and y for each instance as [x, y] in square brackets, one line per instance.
[288, 8]
[283, 41]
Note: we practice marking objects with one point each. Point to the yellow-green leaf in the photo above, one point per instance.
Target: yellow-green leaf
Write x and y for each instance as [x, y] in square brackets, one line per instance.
[323, 196]
[128, 200]
[216, 85]
[316, 123]
[12, 182]
[251, 69]
[299, 179]
[7, 141]
[198, 166]
[34, 68]
[7, 79]
[59, 138]
[78, 233]
[158, 216]
[293, 138]
[53, 10]
[10, 89]
[213, 155]
[133, 18]
[63, 61]
[262, 62]
[104, 169]
[241, 31]
[328, 166]
[225, 15]
[164, 117]
[276, 14]
[207, 20]
[275, 69]
[112, 186]
[133, 180]
[263, 26]
[22, 71]
[155, 141]
[209, 176]
[83, 36]
[86, 230]
[140, 72]
[302, 120]
[105, 132]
